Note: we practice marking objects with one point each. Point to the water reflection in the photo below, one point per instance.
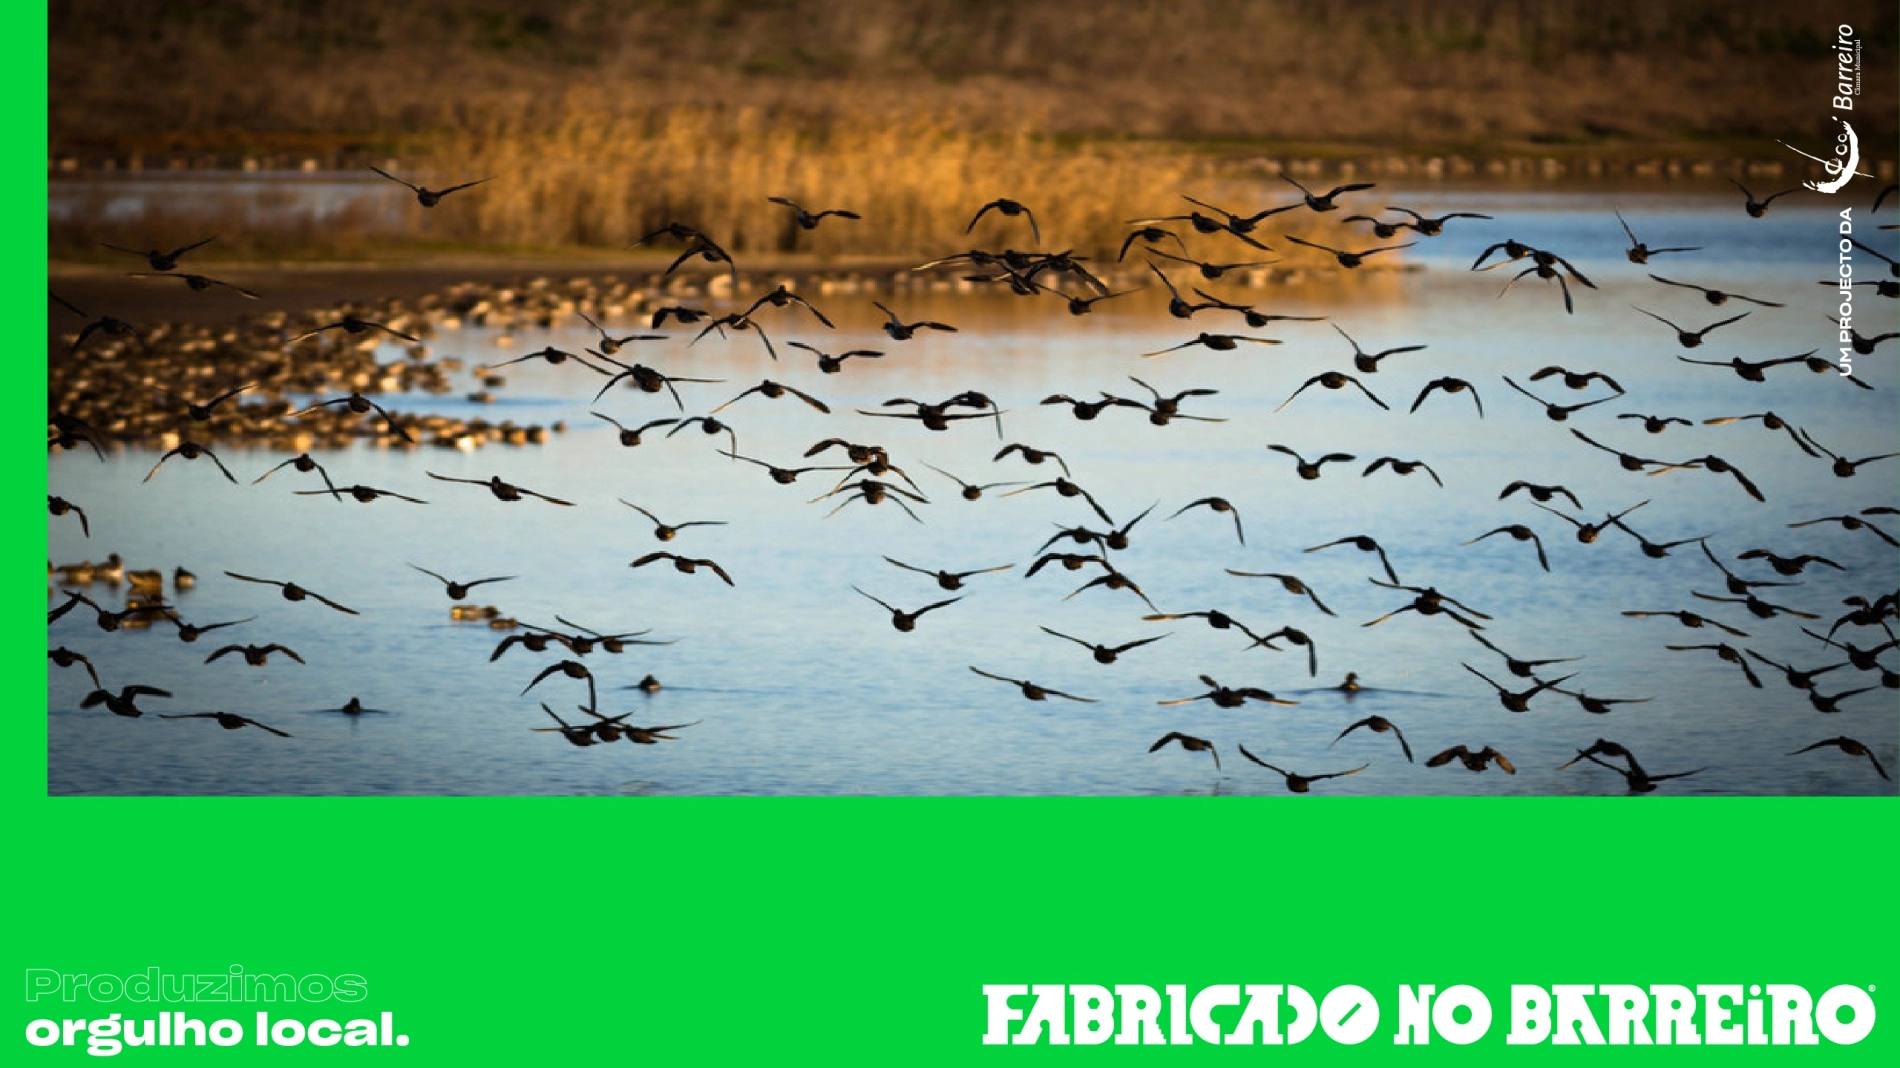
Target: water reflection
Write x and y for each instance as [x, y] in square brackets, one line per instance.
[800, 686]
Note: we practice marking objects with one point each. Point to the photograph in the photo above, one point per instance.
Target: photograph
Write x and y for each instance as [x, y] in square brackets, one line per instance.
[738, 398]
[973, 477]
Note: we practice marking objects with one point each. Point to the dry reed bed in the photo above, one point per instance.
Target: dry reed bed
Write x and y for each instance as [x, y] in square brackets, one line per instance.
[583, 173]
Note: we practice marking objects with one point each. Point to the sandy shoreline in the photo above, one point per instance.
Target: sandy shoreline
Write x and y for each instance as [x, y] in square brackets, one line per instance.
[297, 287]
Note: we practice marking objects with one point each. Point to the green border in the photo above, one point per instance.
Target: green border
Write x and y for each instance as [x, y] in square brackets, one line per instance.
[708, 931]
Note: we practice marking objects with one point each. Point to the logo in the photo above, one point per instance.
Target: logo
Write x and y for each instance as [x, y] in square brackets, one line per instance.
[1846, 144]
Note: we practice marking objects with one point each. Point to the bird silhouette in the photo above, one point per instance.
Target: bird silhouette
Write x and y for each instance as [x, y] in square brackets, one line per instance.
[1323, 201]
[1189, 743]
[159, 259]
[684, 565]
[429, 198]
[1032, 691]
[1011, 209]
[459, 590]
[1378, 725]
[1758, 208]
[1349, 259]
[293, 592]
[1218, 504]
[1449, 385]
[1300, 784]
[1716, 296]
[1640, 253]
[1291, 585]
[1311, 471]
[1229, 696]
[230, 721]
[948, 580]
[191, 450]
[809, 220]
[1851, 748]
[1105, 654]
[503, 491]
[1690, 339]
[1473, 761]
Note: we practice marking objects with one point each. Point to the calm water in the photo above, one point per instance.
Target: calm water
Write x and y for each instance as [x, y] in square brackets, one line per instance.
[797, 685]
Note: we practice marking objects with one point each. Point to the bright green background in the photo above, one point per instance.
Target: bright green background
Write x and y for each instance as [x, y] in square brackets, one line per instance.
[838, 932]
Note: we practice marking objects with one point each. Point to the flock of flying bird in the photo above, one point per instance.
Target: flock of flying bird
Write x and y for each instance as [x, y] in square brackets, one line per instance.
[873, 478]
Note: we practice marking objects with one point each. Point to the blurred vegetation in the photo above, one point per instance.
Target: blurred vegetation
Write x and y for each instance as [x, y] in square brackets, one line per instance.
[610, 117]
[1397, 74]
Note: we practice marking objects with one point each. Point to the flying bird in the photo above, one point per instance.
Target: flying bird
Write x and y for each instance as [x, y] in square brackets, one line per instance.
[429, 198]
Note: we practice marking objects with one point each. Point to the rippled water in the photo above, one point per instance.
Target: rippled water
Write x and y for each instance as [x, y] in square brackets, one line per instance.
[797, 685]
